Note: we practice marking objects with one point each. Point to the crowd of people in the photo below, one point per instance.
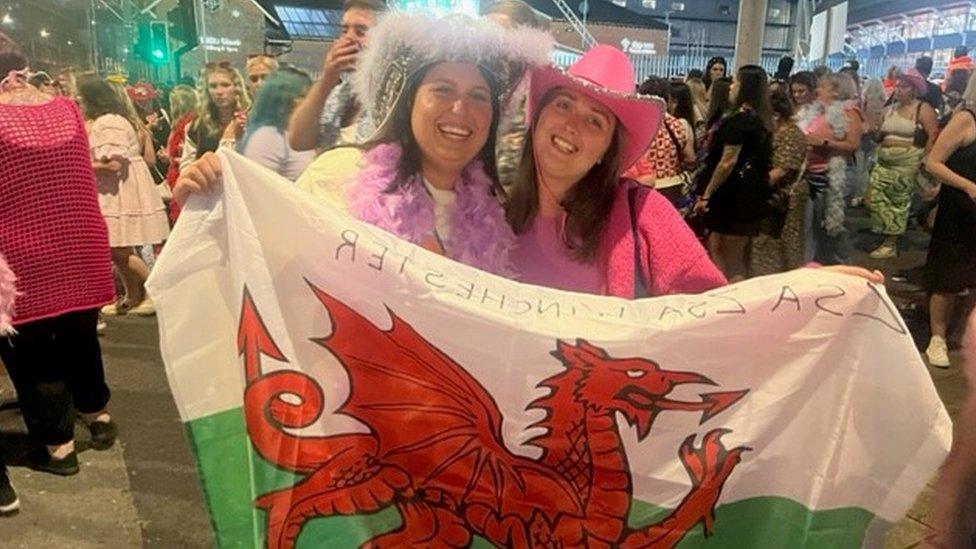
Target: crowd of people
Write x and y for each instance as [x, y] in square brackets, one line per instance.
[458, 135]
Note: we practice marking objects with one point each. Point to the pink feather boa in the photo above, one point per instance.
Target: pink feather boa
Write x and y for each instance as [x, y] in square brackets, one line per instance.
[480, 236]
[8, 294]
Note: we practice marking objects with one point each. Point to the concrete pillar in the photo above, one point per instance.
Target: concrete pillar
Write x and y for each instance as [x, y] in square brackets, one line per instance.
[749, 32]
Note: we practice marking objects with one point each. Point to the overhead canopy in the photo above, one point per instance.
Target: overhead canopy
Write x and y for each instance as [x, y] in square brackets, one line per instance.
[599, 11]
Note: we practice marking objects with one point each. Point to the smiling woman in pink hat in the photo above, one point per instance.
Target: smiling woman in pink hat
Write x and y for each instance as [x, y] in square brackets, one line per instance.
[578, 227]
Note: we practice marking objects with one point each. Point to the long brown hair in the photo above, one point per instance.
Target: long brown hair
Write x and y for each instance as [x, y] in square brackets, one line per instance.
[754, 92]
[587, 204]
[398, 129]
[98, 98]
[182, 100]
[129, 109]
[718, 100]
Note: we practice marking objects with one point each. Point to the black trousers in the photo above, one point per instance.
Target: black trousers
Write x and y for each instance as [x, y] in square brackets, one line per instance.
[56, 367]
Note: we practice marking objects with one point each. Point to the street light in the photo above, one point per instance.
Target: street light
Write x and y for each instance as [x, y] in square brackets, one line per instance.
[44, 33]
[7, 19]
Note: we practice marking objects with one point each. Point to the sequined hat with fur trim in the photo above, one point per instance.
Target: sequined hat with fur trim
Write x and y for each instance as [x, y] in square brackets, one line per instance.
[402, 44]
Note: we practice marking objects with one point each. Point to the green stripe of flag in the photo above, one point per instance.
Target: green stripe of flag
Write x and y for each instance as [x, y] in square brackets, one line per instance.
[225, 456]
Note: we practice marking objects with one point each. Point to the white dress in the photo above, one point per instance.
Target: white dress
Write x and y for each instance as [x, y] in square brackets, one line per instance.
[133, 210]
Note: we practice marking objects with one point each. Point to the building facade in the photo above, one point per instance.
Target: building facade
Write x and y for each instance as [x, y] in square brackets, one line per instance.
[885, 33]
[300, 31]
[708, 28]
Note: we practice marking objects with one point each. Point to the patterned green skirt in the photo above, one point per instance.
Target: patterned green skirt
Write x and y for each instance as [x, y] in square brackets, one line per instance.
[893, 181]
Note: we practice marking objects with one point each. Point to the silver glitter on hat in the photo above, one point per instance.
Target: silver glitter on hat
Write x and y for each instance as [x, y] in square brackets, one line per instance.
[404, 43]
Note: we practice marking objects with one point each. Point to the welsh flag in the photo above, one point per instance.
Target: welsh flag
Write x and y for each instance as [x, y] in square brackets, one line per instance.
[343, 388]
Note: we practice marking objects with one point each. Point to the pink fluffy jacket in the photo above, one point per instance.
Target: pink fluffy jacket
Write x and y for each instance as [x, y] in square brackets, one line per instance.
[672, 260]
[8, 293]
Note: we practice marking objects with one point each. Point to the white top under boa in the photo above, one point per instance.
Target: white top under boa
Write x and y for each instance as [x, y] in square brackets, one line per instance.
[361, 184]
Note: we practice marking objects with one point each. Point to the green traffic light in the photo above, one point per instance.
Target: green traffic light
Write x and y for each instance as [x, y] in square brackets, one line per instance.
[158, 54]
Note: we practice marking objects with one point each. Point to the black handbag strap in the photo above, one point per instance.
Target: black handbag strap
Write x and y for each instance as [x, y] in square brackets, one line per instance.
[919, 129]
[640, 287]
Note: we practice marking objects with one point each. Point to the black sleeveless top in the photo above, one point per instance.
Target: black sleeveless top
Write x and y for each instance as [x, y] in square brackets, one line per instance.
[951, 264]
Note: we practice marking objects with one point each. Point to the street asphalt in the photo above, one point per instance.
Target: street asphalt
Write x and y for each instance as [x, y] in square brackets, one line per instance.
[144, 491]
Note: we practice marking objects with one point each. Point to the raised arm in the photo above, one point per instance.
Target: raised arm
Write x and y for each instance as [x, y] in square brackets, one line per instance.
[303, 126]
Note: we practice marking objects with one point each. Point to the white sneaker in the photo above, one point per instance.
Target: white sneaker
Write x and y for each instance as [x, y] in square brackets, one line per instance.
[884, 251]
[9, 504]
[145, 308]
[938, 352]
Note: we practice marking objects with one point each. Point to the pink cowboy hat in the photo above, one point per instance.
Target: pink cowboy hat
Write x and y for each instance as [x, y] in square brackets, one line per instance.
[915, 79]
[605, 74]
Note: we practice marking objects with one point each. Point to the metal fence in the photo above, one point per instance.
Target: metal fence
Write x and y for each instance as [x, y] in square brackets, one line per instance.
[676, 65]
[663, 66]
[870, 67]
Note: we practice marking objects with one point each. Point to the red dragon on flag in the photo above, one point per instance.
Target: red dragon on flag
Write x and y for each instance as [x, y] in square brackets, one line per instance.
[435, 451]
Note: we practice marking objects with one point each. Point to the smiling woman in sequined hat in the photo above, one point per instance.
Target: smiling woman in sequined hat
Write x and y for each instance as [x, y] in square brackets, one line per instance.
[435, 88]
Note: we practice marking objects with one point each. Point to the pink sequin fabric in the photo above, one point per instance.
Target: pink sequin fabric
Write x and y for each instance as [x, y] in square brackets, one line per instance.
[52, 232]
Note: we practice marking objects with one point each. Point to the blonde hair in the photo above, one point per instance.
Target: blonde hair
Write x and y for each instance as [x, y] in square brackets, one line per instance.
[182, 100]
[268, 61]
[207, 113]
[873, 97]
[843, 85]
[131, 114]
[873, 90]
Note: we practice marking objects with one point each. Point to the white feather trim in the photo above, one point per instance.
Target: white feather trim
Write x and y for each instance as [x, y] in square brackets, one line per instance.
[410, 41]
[8, 296]
[837, 118]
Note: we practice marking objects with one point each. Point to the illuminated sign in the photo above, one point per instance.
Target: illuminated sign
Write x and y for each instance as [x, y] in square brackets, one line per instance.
[220, 44]
[440, 7]
[637, 48]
